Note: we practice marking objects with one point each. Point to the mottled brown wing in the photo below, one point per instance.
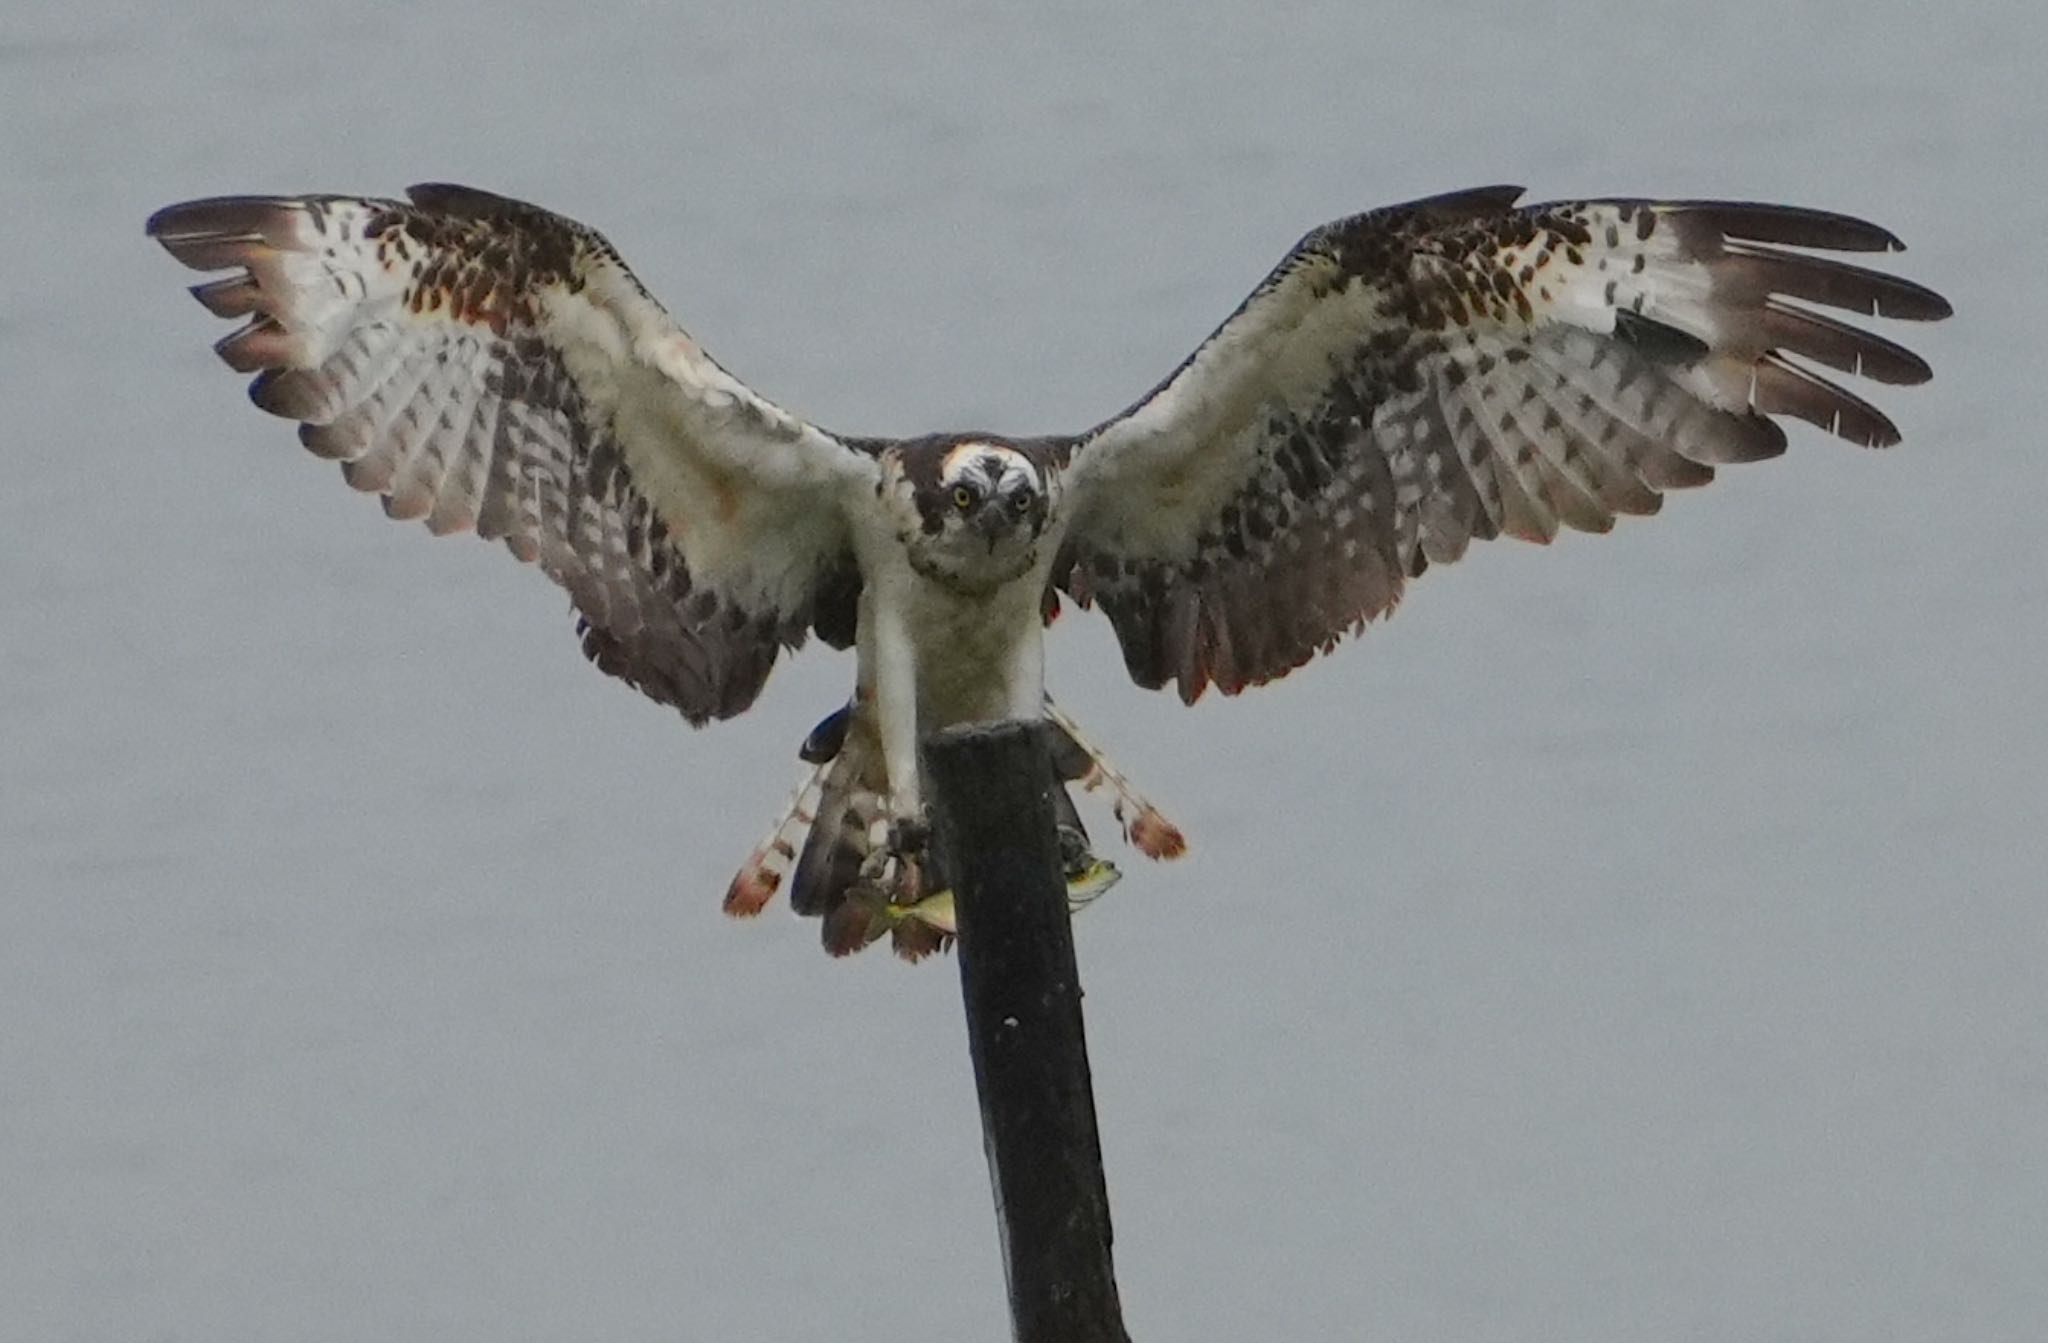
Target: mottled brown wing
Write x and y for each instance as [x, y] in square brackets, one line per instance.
[1414, 378]
[484, 364]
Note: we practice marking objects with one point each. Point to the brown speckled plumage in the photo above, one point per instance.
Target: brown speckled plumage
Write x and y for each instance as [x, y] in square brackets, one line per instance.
[1403, 383]
[1468, 398]
[475, 421]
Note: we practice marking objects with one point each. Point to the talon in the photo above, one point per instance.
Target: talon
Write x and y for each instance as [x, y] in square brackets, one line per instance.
[910, 836]
[909, 881]
[894, 871]
[872, 865]
[1090, 882]
[1075, 857]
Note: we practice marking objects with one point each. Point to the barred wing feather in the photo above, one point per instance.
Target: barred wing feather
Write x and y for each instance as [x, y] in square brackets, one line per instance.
[1414, 378]
[484, 364]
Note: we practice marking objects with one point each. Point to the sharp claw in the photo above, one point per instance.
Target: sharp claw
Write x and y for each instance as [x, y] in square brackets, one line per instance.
[1074, 854]
[910, 836]
[894, 871]
[1086, 875]
[899, 894]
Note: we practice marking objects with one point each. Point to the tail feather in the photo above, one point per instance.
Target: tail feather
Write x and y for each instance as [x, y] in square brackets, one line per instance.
[1080, 761]
[853, 793]
[766, 868]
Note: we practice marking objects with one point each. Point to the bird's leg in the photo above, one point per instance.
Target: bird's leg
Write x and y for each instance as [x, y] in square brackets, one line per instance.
[909, 836]
[896, 861]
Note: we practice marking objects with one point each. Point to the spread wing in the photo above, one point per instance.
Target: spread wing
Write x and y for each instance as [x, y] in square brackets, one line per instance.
[1417, 377]
[483, 364]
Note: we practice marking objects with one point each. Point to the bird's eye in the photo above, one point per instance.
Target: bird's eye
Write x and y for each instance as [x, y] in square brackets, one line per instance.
[963, 498]
[1021, 504]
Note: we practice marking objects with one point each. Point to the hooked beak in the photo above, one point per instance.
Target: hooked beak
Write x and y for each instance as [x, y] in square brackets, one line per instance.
[992, 522]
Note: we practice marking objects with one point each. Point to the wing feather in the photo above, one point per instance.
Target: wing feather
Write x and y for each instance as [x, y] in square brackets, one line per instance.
[483, 364]
[1409, 380]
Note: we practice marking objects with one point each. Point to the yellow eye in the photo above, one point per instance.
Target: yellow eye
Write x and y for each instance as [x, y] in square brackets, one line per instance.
[963, 498]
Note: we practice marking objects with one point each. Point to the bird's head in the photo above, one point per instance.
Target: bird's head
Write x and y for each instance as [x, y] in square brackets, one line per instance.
[980, 507]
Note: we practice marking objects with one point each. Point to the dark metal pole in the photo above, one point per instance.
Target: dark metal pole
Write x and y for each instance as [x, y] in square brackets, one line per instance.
[995, 836]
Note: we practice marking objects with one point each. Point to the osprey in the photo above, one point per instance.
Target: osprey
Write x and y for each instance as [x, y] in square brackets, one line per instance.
[1405, 381]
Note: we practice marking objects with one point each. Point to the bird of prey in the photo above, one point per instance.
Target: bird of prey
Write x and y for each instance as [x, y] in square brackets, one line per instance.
[1404, 382]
